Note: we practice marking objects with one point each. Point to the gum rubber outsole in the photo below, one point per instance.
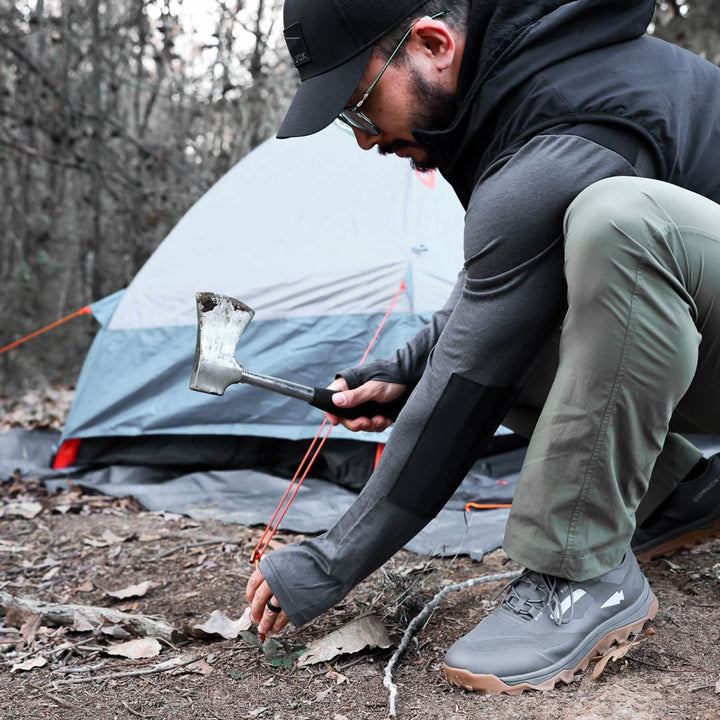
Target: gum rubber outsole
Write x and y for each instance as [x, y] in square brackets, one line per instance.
[685, 541]
[493, 685]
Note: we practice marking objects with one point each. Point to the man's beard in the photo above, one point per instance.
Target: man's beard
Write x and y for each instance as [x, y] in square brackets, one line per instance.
[435, 112]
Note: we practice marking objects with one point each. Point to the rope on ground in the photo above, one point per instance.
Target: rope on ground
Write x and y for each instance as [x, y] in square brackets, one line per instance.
[420, 618]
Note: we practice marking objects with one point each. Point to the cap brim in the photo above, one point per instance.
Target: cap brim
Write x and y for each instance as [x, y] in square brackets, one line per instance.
[319, 100]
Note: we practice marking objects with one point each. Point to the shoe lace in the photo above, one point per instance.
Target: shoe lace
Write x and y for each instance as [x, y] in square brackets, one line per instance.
[529, 593]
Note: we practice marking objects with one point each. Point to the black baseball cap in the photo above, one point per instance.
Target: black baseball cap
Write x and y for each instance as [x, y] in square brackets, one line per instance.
[330, 43]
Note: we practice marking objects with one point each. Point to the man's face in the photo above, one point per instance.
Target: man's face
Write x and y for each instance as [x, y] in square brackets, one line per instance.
[403, 100]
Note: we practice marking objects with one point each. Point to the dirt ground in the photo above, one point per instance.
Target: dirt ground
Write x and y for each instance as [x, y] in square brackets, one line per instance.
[74, 549]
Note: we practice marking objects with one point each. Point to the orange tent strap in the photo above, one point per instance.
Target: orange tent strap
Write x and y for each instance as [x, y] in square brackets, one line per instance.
[273, 525]
[83, 311]
[481, 506]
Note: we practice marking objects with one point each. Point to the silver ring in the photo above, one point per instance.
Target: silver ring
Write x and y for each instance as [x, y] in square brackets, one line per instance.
[272, 607]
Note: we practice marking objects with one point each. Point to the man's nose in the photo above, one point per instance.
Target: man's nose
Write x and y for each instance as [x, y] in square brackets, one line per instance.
[364, 140]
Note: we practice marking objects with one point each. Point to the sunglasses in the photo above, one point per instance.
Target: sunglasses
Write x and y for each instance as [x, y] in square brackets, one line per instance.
[353, 116]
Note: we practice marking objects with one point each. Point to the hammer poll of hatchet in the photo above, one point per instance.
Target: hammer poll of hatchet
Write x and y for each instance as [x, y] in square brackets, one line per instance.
[221, 322]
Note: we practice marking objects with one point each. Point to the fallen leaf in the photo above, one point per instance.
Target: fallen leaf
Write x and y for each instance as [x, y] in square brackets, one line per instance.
[201, 667]
[136, 649]
[617, 652]
[29, 630]
[51, 573]
[87, 586]
[96, 542]
[82, 625]
[338, 677]
[30, 664]
[27, 510]
[116, 632]
[364, 632]
[220, 624]
[112, 539]
[149, 537]
[717, 686]
[138, 590]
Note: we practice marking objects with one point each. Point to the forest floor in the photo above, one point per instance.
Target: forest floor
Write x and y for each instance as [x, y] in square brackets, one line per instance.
[74, 549]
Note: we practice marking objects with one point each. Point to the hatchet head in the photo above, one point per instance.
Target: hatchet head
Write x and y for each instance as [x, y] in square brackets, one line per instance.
[221, 322]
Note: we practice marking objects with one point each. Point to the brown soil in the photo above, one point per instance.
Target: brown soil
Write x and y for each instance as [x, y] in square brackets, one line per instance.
[60, 555]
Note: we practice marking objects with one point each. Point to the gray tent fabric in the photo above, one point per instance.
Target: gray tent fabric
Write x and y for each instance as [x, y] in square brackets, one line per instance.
[249, 497]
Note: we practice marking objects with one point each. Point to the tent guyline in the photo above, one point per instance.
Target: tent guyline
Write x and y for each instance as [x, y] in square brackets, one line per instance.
[273, 525]
[82, 311]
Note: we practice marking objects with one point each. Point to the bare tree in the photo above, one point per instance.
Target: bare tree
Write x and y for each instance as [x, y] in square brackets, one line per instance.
[114, 119]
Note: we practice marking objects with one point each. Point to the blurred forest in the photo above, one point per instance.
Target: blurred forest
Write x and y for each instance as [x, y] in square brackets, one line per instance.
[115, 117]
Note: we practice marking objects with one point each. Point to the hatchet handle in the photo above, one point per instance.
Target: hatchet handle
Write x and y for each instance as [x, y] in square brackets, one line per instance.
[322, 399]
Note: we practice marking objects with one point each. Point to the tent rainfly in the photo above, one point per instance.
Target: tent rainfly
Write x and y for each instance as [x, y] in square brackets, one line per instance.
[317, 238]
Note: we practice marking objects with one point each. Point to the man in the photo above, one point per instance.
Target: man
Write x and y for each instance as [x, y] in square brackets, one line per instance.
[585, 315]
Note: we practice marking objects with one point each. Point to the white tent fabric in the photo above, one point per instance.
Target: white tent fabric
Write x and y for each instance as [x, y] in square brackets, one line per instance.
[316, 236]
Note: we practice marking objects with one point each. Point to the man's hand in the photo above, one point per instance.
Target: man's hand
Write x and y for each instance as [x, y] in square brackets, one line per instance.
[371, 390]
[258, 593]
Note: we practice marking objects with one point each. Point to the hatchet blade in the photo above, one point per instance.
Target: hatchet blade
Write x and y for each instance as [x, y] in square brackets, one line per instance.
[221, 322]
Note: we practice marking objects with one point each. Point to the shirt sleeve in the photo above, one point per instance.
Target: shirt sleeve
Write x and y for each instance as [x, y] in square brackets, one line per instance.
[511, 297]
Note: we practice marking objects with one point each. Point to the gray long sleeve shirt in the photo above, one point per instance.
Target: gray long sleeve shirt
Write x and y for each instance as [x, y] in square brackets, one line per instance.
[464, 366]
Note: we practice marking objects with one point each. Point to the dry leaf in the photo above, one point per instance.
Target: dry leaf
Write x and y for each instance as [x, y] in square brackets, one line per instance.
[96, 542]
[136, 649]
[201, 667]
[717, 686]
[132, 590]
[220, 624]
[81, 624]
[87, 586]
[30, 664]
[365, 632]
[617, 652]
[338, 677]
[112, 539]
[115, 631]
[27, 510]
[51, 573]
[29, 630]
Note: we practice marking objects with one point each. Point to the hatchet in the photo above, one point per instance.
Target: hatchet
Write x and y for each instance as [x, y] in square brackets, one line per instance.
[221, 322]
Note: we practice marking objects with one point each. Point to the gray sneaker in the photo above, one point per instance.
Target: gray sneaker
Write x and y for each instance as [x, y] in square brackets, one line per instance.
[546, 629]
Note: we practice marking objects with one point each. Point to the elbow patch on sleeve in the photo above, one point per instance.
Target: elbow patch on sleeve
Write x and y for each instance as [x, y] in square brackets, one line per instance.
[460, 425]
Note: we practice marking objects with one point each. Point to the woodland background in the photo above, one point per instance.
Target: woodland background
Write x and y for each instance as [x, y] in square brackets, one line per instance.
[115, 117]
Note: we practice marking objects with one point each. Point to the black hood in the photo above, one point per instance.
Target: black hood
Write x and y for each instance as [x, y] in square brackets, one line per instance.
[510, 41]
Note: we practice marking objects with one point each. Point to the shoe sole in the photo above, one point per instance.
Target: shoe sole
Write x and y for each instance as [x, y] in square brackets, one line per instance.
[493, 685]
[686, 541]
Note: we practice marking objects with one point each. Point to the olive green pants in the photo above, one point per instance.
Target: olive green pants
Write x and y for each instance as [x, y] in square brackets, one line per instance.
[637, 361]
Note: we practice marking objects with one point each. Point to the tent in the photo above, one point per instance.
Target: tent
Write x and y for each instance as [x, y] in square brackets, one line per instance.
[317, 238]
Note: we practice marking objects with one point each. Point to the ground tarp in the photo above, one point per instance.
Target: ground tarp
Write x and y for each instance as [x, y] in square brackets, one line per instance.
[249, 497]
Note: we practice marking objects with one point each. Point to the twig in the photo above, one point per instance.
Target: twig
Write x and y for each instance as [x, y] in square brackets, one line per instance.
[162, 667]
[54, 698]
[131, 711]
[186, 546]
[84, 669]
[420, 617]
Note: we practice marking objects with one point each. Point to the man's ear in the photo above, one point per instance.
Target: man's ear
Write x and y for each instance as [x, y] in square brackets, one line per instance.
[434, 40]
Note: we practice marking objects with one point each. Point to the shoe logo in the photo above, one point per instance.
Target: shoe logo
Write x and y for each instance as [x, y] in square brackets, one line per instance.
[296, 45]
[614, 599]
[706, 489]
[571, 600]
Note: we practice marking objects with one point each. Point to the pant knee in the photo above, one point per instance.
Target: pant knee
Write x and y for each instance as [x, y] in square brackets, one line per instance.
[604, 239]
